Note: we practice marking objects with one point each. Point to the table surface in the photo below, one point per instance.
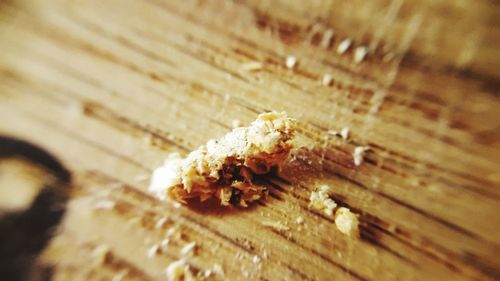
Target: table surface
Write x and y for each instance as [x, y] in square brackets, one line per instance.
[112, 87]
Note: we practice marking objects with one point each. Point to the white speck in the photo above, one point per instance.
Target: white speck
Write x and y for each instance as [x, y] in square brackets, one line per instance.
[327, 38]
[327, 79]
[344, 133]
[236, 123]
[252, 66]
[207, 273]
[346, 221]
[217, 268]
[188, 249]
[343, 46]
[164, 243]
[175, 271]
[320, 200]
[105, 205]
[358, 154]
[291, 61]
[160, 223]
[176, 205]
[359, 54]
[256, 259]
[153, 251]
[299, 220]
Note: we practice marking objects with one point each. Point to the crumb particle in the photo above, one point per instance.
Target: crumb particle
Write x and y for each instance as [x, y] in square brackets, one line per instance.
[256, 259]
[252, 66]
[327, 38]
[344, 133]
[291, 62]
[358, 154]
[321, 201]
[299, 220]
[346, 221]
[360, 54]
[343, 46]
[327, 79]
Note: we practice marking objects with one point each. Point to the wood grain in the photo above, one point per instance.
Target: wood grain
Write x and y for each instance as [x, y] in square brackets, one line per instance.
[111, 87]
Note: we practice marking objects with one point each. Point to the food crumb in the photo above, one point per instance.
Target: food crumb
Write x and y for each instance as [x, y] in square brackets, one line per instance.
[252, 66]
[299, 220]
[290, 62]
[235, 123]
[176, 271]
[343, 46]
[256, 259]
[327, 79]
[344, 133]
[358, 154]
[321, 201]
[188, 249]
[360, 53]
[225, 168]
[153, 251]
[327, 38]
[346, 221]
[101, 254]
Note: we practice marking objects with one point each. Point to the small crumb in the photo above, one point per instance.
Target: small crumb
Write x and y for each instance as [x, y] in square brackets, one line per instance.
[189, 249]
[327, 38]
[207, 273]
[358, 154]
[105, 205]
[153, 251]
[276, 225]
[176, 204]
[236, 123]
[344, 133]
[120, 275]
[343, 46]
[164, 243]
[161, 222]
[321, 201]
[256, 259]
[359, 54]
[327, 79]
[291, 61]
[176, 270]
[217, 268]
[299, 220]
[252, 66]
[101, 254]
[346, 221]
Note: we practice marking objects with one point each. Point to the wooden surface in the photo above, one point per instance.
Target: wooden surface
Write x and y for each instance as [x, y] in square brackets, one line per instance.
[111, 87]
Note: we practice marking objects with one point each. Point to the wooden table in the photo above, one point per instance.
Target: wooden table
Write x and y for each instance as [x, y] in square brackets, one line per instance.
[112, 87]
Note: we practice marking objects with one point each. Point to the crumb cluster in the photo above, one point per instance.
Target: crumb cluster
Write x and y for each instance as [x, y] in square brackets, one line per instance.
[224, 168]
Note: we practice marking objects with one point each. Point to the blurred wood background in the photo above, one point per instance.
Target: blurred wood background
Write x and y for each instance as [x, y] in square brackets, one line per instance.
[111, 87]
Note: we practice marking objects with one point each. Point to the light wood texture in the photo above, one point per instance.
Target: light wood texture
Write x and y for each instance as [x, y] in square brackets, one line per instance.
[111, 87]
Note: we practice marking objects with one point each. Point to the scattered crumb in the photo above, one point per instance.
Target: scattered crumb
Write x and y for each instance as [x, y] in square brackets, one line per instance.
[321, 201]
[299, 220]
[276, 225]
[327, 38]
[176, 270]
[161, 222]
[153, 251]
[252, 66]
[164, 243]
[256, 259]
[290, 62]
[344, 133]
[105, 205]
[358, 154]
[235, 123]
[207, 273]
[327, 79]
[217, 268]
[225, 168]
[189, 249]
[360, 53]
[346, 221]
[343, 46]
[101, 254]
